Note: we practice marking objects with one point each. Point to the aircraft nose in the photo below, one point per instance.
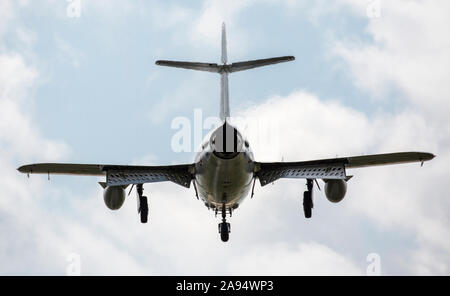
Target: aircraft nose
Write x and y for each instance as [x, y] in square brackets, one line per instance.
[226, 141]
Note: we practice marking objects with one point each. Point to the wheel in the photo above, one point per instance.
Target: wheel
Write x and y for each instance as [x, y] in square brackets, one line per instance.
[224, 229]
[224, 236]
[143, 209]
[307, 204]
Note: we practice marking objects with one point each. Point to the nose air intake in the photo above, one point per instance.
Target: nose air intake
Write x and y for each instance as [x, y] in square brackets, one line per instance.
[226, 141]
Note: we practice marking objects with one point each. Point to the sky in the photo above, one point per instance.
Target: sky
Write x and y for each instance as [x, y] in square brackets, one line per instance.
[81, 86]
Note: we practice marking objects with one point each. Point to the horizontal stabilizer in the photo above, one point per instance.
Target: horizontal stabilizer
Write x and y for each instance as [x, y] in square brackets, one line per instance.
[234, 67]
[208, 67]
[240, 66]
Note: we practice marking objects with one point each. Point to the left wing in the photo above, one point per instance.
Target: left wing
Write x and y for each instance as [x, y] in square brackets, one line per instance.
[117, 175]
[333, 168]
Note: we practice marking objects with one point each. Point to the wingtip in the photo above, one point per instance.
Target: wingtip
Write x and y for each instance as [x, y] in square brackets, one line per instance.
[23, 169]
[428, 156]
[288, 58]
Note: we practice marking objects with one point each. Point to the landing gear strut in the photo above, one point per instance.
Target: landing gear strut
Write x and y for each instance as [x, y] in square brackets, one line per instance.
[308, 199]
[224, 227]
[142, 203]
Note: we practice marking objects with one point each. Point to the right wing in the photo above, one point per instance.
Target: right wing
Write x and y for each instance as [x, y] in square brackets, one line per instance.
[333, 168]
[117, 175]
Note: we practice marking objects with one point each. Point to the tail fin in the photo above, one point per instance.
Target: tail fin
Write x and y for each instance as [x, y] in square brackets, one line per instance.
[224, 94]
[224, 44]
[224, 69]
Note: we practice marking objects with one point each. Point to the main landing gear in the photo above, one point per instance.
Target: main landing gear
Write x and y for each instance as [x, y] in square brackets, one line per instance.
[224, 227]
[142, 203]
[308, 199]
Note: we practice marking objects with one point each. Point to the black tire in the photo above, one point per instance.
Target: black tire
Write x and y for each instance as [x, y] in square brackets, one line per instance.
[224, 232]
[307, 204]
[143, 209]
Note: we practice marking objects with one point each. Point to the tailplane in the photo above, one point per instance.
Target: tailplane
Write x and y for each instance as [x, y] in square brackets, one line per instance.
[231, 68]
[224, 69]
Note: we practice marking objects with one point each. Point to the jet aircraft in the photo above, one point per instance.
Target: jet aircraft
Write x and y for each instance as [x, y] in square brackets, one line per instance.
[225, 171]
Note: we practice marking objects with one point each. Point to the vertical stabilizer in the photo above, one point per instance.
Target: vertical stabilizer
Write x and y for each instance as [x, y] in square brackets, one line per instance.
[224, 95]
[224, 44]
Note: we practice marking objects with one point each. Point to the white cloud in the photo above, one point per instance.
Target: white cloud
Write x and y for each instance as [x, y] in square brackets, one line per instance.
[17, 133]
[214, 13]
[6, 16]
[411, 51]
[19, 139]
[116, 243]
[206, 30]
[424, 262]
[294, 259]
[404, 198]
[303, 120]
[15, 77]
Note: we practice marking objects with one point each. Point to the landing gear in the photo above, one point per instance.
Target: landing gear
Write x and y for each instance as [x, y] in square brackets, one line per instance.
[307, 204]
[308, 199]
[143, 211]
[224, 230]
[142, 203]
[224, 227]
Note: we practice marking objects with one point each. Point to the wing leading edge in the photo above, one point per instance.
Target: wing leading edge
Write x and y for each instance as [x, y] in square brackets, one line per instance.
[333, 168]
[117, 175]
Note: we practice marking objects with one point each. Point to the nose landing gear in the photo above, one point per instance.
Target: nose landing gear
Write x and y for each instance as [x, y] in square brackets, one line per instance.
[224, 227]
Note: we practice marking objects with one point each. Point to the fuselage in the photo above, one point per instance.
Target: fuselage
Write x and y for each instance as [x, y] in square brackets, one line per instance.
[224, 169]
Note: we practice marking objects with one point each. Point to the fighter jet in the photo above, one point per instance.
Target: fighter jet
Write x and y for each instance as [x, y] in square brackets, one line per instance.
[225, 171]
